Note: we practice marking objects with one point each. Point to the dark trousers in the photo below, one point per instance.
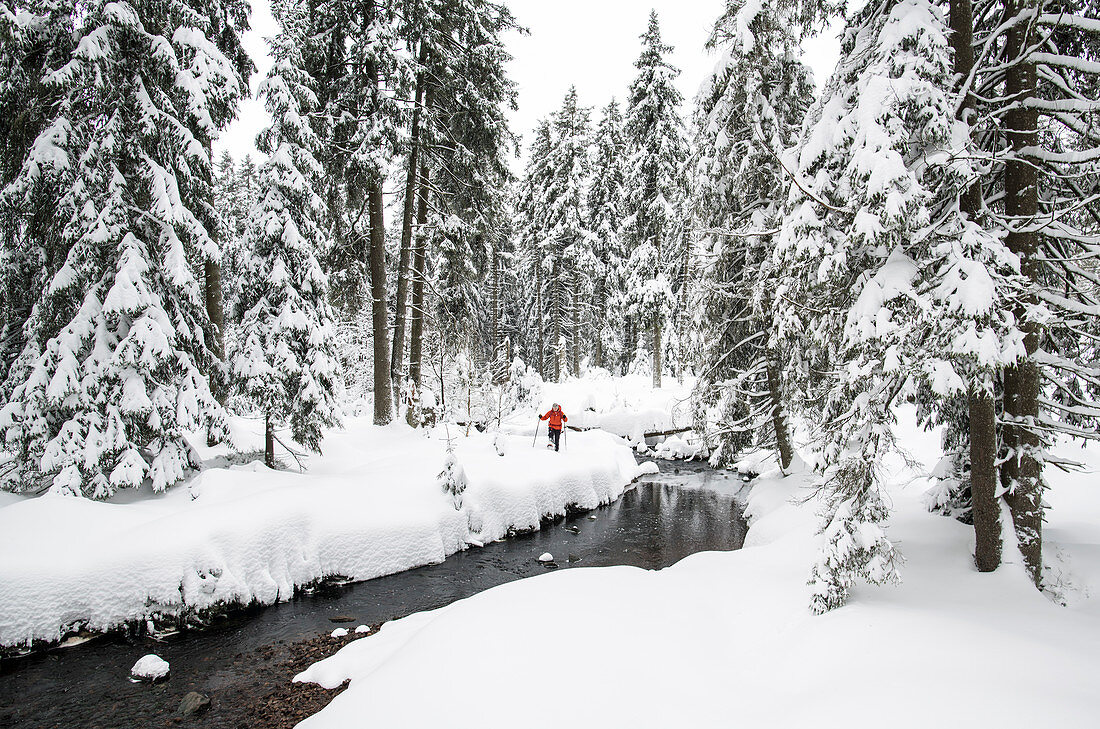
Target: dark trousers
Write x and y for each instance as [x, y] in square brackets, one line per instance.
[555, 436]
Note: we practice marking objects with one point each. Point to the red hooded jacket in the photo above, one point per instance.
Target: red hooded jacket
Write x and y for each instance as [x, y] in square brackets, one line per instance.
[557, 417]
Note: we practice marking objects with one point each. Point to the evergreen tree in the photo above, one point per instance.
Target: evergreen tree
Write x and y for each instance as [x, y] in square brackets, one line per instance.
[605, 215]
[655, 189]
[116, 353]
[35, 167]
[748, 113]
[556, 242]
[1037, 87]
[468, 144]
[284, 359]
[567, 260]
[531, 232]
[463, 93]
[858, 237]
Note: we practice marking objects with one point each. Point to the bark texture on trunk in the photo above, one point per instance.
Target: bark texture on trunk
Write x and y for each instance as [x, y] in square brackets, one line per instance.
[215, 311]
[269, 442]
[215, 308]
[501, 359]
[657, 364]
[982, 414]
[555, 315]
[657, 354]
[401, 295]
[1021, 206]
[575, 344]
[539, 313]
[597, 349]
[383, 392]
[416, 328]
[983, 479]
[779, 414]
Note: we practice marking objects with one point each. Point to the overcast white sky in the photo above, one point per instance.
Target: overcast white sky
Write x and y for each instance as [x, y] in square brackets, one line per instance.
[588, 43]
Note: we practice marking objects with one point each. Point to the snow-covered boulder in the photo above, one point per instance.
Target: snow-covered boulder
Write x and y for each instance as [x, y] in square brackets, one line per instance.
[150, 668]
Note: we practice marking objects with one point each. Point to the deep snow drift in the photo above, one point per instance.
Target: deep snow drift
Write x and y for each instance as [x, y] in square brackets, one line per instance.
[724, 639]
[370, 506]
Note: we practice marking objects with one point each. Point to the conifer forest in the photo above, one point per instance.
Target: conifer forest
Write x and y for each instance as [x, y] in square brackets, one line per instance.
[835, 280]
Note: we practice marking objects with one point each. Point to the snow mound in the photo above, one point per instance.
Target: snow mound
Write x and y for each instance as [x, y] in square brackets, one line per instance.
[741, 636]
[674, 448]
[245, 534]
[150, 668]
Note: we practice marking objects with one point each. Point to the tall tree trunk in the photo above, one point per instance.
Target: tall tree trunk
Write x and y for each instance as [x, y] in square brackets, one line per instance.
[983, 478]
[657, 353]
[779, 414]
[416, 330]
[1021, 206]
[982, 414]
[630, 343]
[657, 364]
[539, 313]
[556, 314]
[575, 345]
[383, 392]
[215, 311]
[398, 354]
[500, 354]
[600, 301]
[269, 441]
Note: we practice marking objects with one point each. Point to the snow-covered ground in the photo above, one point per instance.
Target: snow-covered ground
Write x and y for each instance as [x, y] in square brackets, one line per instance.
[725, 639]
[370, 506]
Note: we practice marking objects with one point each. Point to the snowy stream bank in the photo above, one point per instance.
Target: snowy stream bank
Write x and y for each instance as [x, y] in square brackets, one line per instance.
[244, 663]
[371, 506]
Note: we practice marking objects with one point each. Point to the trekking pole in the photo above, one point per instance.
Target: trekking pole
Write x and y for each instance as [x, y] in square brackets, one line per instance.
[536, 438]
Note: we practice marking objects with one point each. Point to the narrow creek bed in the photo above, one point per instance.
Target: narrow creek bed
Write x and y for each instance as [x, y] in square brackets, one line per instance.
[245, 663]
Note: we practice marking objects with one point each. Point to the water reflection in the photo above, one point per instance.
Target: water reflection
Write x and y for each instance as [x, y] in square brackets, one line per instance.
[652, 526]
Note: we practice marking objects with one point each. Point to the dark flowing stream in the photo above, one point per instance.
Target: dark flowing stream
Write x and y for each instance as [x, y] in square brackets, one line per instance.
[244, 663]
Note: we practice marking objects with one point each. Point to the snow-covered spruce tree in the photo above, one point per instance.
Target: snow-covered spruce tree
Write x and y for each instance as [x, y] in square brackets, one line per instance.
[1037, 83]
[362, 73]
[655, 188]
[236, 193]
[468, 144]
[531, 231]
[452, 479]
[860, 251]
[566, 250]
[227, 21]
[284, 358]
[36, 39]
[459, 265]
[605, 216]
[118, 381]
[462, 134]
[748, 113]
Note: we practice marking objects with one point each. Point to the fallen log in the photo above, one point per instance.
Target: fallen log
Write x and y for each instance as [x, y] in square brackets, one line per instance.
[660, 433]
[653, 434]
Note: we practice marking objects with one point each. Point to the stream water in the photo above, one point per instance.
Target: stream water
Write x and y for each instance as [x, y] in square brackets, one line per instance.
[687, 508]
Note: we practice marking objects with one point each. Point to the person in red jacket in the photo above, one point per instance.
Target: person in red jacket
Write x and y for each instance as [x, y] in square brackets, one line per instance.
[556, 418]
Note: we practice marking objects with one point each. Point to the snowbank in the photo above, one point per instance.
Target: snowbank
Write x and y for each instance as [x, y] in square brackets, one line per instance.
[369, 507]
[726, 638]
